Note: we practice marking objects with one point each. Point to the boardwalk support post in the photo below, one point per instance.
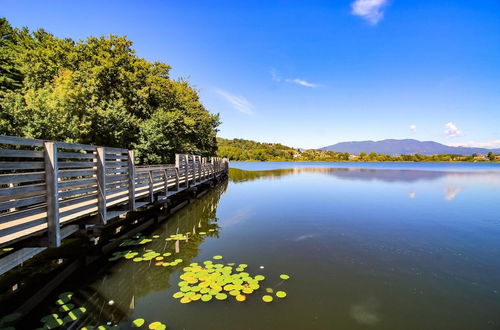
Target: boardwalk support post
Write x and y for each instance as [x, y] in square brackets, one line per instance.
[51, 179]
[101, 184]
[131, 180]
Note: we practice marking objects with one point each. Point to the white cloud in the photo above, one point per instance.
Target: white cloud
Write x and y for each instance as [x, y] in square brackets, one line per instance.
[370, 10]
[301, 82]
[275, 77]
[451, 130]
[413, 128]
[238, 102]
[493, 144]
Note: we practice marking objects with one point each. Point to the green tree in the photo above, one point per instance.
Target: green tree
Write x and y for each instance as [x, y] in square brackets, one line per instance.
[98, 91]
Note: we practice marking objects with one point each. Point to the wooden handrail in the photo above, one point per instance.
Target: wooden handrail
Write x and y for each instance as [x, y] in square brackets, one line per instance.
[44, 185]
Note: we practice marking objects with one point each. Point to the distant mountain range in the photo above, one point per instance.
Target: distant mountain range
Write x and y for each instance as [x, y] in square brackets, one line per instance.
[404, 147]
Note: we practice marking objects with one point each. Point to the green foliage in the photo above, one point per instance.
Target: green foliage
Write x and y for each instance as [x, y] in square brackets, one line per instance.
[245, 150]
[98, 91]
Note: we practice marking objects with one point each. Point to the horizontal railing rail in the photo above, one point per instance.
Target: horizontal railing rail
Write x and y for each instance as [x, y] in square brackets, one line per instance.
[45, 185]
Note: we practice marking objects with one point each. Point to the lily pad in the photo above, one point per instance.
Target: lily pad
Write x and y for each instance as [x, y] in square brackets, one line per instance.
[51, 321]
[178, 295]
[9, 318]
[217, 257]
[221, 296]
[75, 314]
[241, 297]
[267, 298]
[157, 326]
[284, 276]
[281, 294]
[137, 323]
[66, 308]
[206, 298]
[185, 300]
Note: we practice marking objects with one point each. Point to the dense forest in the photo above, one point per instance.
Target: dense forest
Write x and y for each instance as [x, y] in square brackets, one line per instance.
[246, 150]
[98, 91]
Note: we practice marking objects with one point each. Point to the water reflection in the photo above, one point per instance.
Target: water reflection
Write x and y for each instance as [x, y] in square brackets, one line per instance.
[125, 282]
[451, 189]
[238, 175]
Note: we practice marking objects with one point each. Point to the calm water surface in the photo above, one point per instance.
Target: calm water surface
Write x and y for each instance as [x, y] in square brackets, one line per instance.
[386, 246]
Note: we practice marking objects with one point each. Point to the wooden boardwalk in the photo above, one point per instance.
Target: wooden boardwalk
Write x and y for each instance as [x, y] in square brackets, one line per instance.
[47, 186]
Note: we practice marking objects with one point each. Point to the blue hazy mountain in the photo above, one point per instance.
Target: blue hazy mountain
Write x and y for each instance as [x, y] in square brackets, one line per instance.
[407, 146]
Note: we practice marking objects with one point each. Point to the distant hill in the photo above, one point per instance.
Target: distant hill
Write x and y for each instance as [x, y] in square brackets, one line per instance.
[404, 147]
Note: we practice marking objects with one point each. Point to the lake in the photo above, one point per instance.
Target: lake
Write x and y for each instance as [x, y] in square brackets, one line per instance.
[366, 246]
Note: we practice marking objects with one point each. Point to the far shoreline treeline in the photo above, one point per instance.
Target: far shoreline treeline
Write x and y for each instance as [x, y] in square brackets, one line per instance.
[247, 150]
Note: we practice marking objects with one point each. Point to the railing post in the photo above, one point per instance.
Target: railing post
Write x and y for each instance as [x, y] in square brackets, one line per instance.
[131, 179]
[165, 183]
[186, 170]
[199, 169]
[151, 188]
[101, 184]
[52, 194]
[177, 179]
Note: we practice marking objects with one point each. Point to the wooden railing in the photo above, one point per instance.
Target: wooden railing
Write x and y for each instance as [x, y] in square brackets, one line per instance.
[45, 185]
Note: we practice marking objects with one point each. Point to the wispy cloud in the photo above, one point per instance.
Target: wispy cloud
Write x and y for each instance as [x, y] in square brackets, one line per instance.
[413, 128]
[451, 130]
[301, 82]
[493, 144]
[275, 77]
[370, 10]
[239, 103]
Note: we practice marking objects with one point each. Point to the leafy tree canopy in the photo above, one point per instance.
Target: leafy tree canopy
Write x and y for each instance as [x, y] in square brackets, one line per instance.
[98, 91]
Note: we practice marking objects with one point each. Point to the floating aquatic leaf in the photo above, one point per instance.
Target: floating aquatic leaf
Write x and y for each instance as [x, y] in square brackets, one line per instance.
[9, 318]
[64, 298]
[247, 290]
[66, 308]
[74, 314]
[221, 296]
[269, 290]
[51, 321]
[284, 276]
[185, 300]
[189, 294]
[217, 257]
[267, 298]
[167, 254]
[178, 295]
[241, 297]
[281, 294]
[260, 277]
[137, 323]
[206, 298]
[157, 326]
[156, 236]
[202, 233]
[196, 297]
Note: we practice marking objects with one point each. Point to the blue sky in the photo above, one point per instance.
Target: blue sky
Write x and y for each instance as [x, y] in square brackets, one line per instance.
[311, 73]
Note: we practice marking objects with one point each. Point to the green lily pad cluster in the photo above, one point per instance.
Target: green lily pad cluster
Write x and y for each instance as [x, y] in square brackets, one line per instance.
[138, 240]
[137, 323]
[178, 237]
[209, 280]
[6, 322]
[68, 312]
